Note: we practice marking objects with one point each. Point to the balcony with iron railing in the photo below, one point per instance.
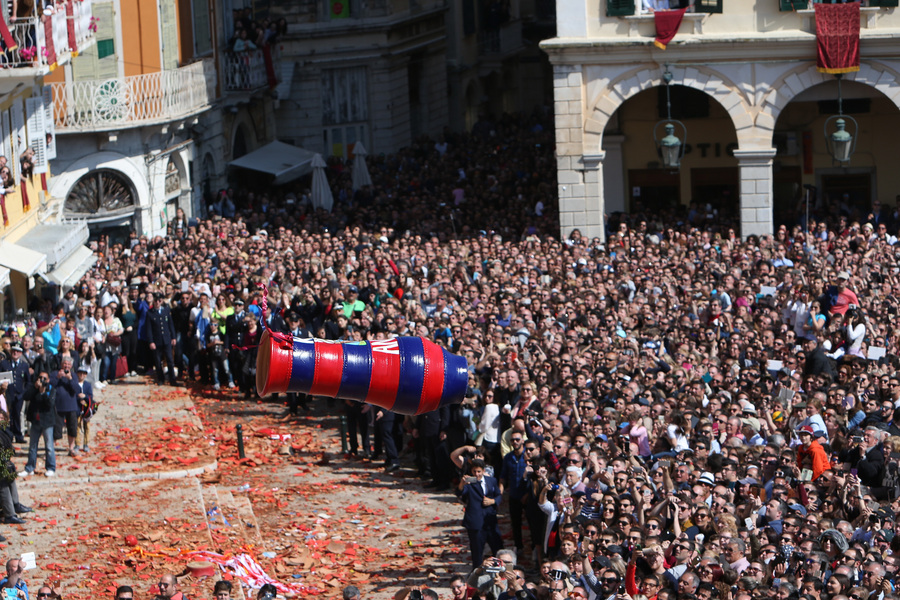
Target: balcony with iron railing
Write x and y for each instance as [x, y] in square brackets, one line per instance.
[763, 20]
[251, 70]
[45, 42]
[136, 101]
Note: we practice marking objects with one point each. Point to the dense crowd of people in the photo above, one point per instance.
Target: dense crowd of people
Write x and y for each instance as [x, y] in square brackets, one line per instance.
[672, 412]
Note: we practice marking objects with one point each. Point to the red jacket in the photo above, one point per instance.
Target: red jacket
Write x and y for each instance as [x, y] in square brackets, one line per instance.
[820, 462]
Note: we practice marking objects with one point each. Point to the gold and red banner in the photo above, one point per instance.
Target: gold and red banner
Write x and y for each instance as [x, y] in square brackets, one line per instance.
[667, 24]
[837, 37]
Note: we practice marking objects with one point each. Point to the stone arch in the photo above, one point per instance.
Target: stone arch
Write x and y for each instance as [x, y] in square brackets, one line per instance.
[63, 183]
[184, 179]
[795, 81]
[243, 126]
[632, 82]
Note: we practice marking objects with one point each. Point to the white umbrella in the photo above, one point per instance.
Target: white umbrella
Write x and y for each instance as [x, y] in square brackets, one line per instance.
[321, 192]
[361, 175]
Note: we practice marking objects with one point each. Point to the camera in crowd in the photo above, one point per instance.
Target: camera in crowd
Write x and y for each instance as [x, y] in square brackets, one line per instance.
[495, 567]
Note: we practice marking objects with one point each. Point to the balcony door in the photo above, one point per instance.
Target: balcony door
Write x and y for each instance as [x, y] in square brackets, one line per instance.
[340, 139]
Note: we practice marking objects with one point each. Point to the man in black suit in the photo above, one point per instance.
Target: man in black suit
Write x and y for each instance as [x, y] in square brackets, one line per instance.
[431, 428]
[161, 335]
[297, 328]
[817, 363]
[15, 394]
[481, 495]
[235, 330]
[867, 457]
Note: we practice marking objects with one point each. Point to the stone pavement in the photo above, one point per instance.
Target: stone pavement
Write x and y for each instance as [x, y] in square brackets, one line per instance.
[163, 478]
[133, 420]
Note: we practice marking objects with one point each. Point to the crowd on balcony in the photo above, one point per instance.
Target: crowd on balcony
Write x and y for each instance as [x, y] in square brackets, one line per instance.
[250, 34]
[674, 412]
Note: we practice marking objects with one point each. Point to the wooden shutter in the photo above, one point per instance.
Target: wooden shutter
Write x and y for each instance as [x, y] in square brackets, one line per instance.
[789, 5]
[20, 142]
[619, 8]
[34, 110]
[99, 61]
[169, 28]
[7, 144]
[49, 123]
[202, 34]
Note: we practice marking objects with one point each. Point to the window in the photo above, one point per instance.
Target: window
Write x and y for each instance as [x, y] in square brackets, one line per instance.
[468, 10]
[344, 96]
[101, 191]
[708, 6]
[794, 4]
[619, 8]
[884, 3]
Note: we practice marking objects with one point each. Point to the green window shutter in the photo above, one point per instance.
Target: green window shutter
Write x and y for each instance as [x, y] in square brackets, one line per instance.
[884, 3]
[106, 48]
[708, 6]
[787, 5]
[619, 8]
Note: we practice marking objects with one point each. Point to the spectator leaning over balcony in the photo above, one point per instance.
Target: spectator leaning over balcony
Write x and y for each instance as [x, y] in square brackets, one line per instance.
[242, 43]
[27, 164]
[652, 6]
[20, 9]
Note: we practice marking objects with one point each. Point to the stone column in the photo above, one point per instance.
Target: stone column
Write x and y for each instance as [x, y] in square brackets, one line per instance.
[579, 173]
[615, 194]
[756, 191]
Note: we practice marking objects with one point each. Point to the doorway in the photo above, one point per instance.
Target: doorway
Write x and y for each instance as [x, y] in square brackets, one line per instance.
[654, 189]
[716, 186]
[850, 191]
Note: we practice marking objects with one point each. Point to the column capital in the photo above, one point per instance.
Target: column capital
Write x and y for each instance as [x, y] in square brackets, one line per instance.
[755, 155]
[594, 160]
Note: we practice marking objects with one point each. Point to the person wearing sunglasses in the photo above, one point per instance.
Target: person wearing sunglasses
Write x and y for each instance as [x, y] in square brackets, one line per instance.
[168, 588]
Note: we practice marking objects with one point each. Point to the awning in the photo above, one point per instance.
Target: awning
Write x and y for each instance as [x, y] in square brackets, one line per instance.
[69, 271]
[4, 277]
[22, 260]
[57, 241]
[282, 160]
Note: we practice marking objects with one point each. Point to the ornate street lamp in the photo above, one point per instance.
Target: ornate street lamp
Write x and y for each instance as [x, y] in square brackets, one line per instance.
[670, 147]
[841, 143]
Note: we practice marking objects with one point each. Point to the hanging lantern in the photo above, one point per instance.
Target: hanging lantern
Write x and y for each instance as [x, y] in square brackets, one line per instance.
[840, 143]
[670, 147]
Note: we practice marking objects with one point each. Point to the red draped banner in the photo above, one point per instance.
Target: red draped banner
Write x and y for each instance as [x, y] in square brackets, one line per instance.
[837, 36]
[667, 24]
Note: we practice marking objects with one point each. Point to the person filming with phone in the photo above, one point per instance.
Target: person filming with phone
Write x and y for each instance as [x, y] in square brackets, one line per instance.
[866, 455]
[14, 580]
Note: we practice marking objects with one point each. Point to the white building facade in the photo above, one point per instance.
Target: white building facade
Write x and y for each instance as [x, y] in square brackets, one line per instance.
[745, 83]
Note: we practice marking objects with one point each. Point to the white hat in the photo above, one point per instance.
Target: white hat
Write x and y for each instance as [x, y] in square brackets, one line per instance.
[707, 478]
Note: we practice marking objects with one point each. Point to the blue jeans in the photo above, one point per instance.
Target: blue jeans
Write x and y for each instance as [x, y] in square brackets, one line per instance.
[38, 430]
